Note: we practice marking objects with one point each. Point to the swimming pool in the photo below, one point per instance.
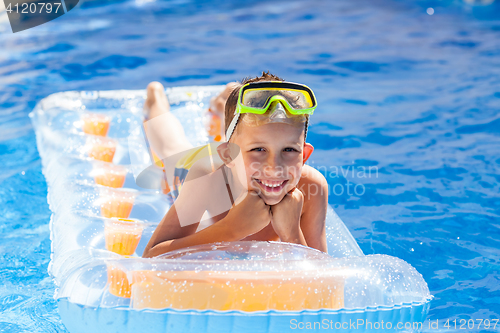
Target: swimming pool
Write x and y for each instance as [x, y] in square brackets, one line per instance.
[408, 128]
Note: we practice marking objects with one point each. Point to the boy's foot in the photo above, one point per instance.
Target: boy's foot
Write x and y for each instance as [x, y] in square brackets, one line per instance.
[164, 134]
[156, 102]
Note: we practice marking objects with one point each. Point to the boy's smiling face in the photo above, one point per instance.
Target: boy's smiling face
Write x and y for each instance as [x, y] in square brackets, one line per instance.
[272, 158]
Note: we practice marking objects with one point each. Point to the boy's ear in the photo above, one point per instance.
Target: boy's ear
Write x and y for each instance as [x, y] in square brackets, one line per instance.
[308, 150]
[224, 152]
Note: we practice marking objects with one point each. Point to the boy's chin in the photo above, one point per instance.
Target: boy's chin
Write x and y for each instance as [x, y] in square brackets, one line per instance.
[272, 200]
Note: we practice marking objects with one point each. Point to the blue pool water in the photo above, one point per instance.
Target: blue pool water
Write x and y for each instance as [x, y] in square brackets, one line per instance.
[407, 132]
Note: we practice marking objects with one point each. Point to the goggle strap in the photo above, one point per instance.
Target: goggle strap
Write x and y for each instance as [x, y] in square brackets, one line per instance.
[305, 130]
[232, 126]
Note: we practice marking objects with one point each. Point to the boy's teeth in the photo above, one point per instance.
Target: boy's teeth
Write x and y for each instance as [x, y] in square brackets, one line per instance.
[271, 184]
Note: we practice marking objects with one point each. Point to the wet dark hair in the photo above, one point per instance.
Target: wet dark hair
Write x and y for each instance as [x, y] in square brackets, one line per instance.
[232, 100]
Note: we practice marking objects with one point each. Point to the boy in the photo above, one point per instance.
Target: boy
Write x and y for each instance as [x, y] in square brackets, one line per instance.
[270, 188]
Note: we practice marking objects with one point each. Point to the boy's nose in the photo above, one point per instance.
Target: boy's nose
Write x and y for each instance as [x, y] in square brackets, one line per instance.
[274, 167]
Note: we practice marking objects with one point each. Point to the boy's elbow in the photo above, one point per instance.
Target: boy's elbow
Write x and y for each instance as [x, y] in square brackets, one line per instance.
[146, 253]
[149, 251]
[158, 249]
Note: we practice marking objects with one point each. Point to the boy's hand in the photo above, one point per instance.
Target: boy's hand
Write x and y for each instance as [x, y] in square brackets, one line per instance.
[249, 215]
[286, 217]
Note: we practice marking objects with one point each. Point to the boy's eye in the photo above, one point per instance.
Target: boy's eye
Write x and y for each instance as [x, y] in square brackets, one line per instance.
[257, 149]
[290, 149]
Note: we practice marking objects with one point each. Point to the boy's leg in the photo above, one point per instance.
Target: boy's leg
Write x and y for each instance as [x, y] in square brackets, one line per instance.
[163, 130]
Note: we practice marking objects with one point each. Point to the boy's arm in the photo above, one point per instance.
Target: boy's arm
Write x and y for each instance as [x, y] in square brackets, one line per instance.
[183, 218]
[167, 237]
[286, 216]
[248, 216]
[312, 222]
[167, 230]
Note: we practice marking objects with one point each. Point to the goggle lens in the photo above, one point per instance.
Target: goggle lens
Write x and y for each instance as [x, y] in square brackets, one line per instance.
[259, 97]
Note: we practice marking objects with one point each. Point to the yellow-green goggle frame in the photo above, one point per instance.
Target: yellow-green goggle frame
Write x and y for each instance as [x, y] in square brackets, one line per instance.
[285, 92]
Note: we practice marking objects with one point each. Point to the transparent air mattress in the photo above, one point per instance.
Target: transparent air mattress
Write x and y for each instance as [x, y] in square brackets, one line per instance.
[92, 150]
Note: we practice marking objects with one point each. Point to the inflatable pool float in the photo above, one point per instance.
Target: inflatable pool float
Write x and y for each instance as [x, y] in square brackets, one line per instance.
[92, 151]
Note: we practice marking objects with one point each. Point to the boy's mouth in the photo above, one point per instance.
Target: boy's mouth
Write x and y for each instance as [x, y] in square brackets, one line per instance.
[271, 186]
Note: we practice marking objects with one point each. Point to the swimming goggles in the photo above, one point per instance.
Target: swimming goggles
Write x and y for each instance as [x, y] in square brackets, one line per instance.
[273, 101]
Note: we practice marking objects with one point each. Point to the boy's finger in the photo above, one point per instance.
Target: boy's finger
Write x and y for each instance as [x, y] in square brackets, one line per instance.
[254, 193]
[256, 189]
[293, 189]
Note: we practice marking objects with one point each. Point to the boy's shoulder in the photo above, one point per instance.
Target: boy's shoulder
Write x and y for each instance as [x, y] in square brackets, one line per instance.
[312, 180]
[312, 175]
[314, 187]
[201, 168]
